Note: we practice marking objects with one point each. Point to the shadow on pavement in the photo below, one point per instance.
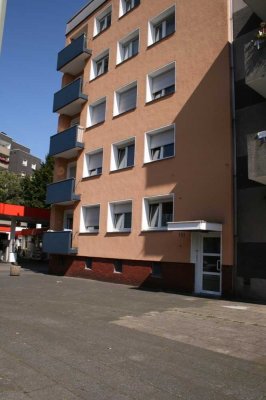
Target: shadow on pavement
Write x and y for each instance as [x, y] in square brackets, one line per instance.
[37, 266]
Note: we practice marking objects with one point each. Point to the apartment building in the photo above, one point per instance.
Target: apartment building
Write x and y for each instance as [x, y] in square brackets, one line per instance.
[15, 157]
[143, 181]
[250, 131]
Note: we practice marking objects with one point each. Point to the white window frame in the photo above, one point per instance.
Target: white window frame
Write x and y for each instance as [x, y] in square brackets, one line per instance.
[86, 164]
[127, 40]
[115, 152]
[161, 18]
[146, 210]
[94, 62]
[147, 143]
[149, 81]
[122, 7]
[25, 163]
[83, 216]
[91, 109]
[121, 91]
[99, 18]
[34, 166]
[111, 216]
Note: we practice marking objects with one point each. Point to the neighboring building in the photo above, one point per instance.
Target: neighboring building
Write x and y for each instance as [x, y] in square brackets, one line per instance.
[143, 182]
[16, 158]
[250, 124]
[2, 19]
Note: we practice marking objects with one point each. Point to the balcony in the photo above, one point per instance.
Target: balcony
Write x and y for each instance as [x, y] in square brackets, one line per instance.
[5, 151]
[255, 68]
[256, 145]
[71, 60]
[258, 7]
[58, 243]
[62, 192]
[66, 144]
[69, 99]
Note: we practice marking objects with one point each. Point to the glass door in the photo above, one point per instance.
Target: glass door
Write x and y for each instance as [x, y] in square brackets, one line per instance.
[211, 263]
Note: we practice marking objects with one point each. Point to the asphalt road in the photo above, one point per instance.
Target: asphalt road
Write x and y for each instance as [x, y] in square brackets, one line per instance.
[68, 339]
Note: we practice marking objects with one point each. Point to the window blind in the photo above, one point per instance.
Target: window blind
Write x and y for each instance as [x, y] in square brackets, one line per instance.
[127, 99]
[163, 80]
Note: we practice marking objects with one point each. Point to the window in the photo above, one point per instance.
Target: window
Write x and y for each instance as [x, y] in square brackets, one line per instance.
[68, 220]
[125, 99]
[24, 163]
[120, 216]
[88, 263]
[102, 21]
[99, 65]
[93, 163]
[118, 266]
[71, 170]
[33, 166]
[96, 112]
[160, 144]
[161, 26]
[90, 216]
[123, 154]
[161, 82]
[158, 211]
[127, 5]
[128, 47]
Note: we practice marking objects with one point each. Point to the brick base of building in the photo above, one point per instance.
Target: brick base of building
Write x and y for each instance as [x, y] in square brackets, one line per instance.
[174, 276]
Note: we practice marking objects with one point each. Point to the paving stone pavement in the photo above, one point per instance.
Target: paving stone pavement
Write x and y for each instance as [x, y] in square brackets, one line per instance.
[68, 339]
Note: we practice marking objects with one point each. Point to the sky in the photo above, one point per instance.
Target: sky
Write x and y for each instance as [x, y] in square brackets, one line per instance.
[34, 33]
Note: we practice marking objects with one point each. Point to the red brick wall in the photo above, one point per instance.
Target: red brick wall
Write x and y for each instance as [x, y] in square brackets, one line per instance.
[174, 276]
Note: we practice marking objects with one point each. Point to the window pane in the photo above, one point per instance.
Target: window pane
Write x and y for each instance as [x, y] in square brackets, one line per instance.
[167, 213]
[98, 113]
[170, 24]
[155, 153]
[119, 221]
[130, 155]
[168, 150]
[121, 158]
[126, 51]
[127, 222]
[158, 32]
[106, 63]
[169, 90]
[127, 100]
[154, 215]
[135, 46]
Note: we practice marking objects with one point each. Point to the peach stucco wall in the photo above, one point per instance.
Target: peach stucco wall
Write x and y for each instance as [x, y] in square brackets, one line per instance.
[200, 174]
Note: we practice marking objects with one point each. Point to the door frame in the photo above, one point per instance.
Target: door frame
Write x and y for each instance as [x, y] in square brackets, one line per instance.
[197, 259]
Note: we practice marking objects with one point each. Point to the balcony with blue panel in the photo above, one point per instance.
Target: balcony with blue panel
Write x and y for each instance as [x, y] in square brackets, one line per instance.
[58, 243]
[70, 99]
[255, 67]
[62, 192]
[67, 144]
[71, 60]
[258, 7]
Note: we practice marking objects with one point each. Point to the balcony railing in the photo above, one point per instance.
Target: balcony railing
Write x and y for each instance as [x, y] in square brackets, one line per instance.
[256, 145]
[71, 59]
[69, 99]
[258, 7]
[255, 67]
[62, 192]
[66, 144]
[58, 243]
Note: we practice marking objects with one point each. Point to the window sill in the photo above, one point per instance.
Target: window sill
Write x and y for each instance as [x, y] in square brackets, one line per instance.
[159, 99]
[124, 113]
[160, 159]
[100, 33]
[89, 232]
[98, 76]
[154, 230]
[95, 125]
[128, 59]
[122, 231]
[122, 169]
[160, 41]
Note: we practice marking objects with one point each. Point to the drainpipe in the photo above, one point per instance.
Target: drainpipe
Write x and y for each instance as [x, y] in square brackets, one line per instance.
[232, 67]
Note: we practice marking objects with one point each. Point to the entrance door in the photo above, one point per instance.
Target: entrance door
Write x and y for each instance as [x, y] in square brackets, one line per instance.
[68, 220]
[206, 254]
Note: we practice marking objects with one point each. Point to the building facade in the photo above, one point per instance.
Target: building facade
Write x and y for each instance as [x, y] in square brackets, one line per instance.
[143, 182]
[17, 158]
[250, 132]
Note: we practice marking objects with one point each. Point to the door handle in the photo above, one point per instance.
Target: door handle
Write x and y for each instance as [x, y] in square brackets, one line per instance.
[218, 265]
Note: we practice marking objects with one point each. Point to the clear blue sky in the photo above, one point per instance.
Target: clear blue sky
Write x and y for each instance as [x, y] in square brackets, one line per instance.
[34, 33]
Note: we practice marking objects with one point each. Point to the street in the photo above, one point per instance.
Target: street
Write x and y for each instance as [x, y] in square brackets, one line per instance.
[68, 338]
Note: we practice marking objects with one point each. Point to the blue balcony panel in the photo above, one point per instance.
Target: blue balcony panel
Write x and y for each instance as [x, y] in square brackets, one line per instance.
[66, 144]
[258, 7]
[255, 67]
[70, 99]
[62, 192]
[71, 60]
[58, 243]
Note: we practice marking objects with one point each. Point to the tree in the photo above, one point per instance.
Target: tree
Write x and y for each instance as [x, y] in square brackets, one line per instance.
[11, 190]
[34, 187]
